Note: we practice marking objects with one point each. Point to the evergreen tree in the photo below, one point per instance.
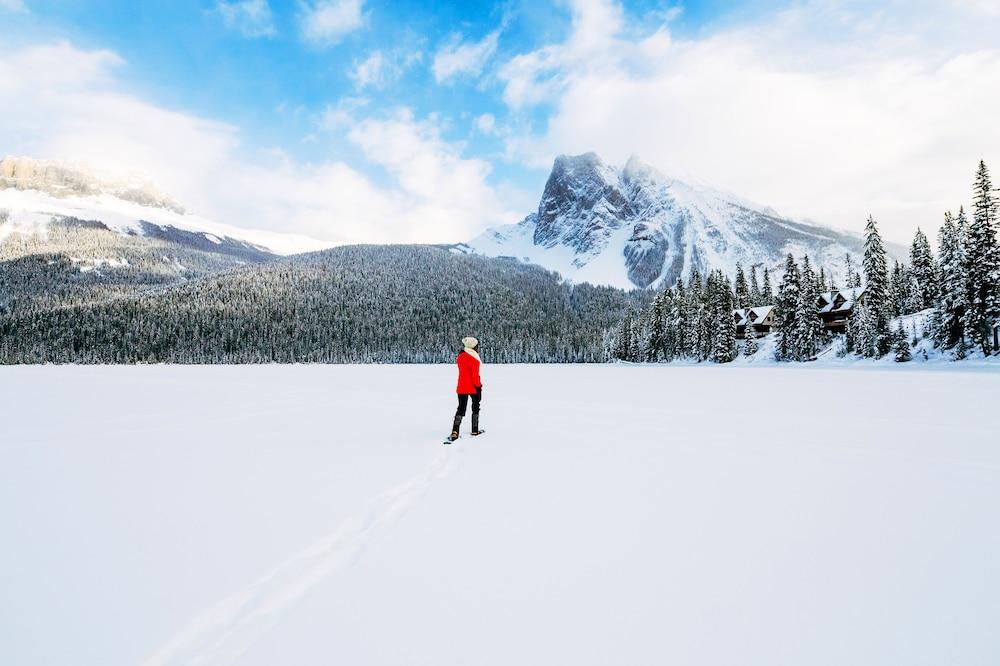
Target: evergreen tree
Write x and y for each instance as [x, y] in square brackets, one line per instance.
[851, 277]
[982, 260]
[682, 344]
[742, 288]
[877, 286]
[786, 307]
[862, 332]
[924, 270]
[950, 305]
[725, 338]
[901, 346]
[750, 335]
[656, 344]
[766, 294]
[808, 324]
[755, 296]
[623, 339]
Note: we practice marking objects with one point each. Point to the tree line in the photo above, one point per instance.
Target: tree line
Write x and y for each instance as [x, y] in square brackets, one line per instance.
[694, 320]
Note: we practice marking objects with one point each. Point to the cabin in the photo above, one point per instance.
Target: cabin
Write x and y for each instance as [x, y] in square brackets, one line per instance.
[761, 318]
[835, 307]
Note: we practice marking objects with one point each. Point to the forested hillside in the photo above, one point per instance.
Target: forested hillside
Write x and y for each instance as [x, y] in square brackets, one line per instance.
[348, 304]
[68, 262]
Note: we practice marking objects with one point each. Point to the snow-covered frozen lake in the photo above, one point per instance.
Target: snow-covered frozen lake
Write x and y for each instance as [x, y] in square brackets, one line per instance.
[611, 515]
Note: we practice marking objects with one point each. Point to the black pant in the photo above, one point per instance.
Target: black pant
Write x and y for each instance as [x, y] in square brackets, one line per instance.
[463, 403]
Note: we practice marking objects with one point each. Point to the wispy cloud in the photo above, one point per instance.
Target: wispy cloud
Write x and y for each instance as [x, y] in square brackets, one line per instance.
[381, 68]
[327, 21]
[458, 57]
[252, 18]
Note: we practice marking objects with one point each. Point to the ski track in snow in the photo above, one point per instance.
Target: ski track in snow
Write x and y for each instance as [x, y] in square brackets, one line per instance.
[224, 632]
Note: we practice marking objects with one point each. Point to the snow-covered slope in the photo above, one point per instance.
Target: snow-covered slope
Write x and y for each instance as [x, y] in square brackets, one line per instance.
[33, 192]
[636, 227]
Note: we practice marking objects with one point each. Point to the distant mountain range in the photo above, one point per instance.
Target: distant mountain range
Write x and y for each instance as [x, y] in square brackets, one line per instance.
[34, 193]
[636, 227]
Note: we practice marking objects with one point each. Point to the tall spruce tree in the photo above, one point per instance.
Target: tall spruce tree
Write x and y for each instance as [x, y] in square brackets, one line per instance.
[785, 307]
[951, 300]
[766, 293]
[982, 261]
[725, 338]
[924, 269]
[755, 296]
[682, 346]
[808, 325]
[742, 289]
[750, 336]
[901, 345]
[877, 286]
[656, 344]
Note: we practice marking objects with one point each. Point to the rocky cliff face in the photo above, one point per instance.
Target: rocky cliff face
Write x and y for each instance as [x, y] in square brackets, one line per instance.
[635, 227]
[63, 179]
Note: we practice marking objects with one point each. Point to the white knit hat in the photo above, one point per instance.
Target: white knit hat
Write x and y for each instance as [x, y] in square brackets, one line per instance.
[470, 342]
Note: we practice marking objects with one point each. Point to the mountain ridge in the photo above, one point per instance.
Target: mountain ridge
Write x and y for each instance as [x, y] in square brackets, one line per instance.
[634, 227]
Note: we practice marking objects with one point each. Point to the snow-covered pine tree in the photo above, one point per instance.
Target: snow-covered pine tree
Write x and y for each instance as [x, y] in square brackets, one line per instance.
[755, 295]
[924, 269]
[950, 304]
[623, 339]
[682, 325]
[852, 278]
[656, 344]
[750, 336]
[766, 293]
[808, 325]
[724, 350]
[862, 332]
[741, 288]
[877, 286]
[785, 308]
[901, 345]
[696, 315]
[638, 338]
[982, 260]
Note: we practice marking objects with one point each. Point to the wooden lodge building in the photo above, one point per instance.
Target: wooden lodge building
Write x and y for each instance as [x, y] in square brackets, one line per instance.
[762, 319]
[834, 308]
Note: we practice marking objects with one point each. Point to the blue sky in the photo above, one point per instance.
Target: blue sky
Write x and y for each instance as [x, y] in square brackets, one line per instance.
[368, 120]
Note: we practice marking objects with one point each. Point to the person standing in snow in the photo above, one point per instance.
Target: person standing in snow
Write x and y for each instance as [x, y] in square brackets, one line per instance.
[469, 385]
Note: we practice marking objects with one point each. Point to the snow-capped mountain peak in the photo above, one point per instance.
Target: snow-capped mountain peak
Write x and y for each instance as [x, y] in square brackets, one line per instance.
[637, 227]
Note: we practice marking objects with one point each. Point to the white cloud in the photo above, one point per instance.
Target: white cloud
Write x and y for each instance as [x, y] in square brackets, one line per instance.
[486, 123]
[62, 102]
[382, 68]
[13, 5]
[826, 110]
[327, 21]
[457, 57]
[446, 189]
[253, 18]
[371, 71]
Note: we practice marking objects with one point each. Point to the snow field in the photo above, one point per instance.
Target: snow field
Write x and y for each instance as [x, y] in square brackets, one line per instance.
[611, 514]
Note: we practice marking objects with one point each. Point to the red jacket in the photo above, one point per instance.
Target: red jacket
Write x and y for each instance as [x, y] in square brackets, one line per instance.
[468, 374]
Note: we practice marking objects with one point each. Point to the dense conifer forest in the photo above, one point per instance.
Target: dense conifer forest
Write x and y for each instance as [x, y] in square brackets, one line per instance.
[392, 304]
